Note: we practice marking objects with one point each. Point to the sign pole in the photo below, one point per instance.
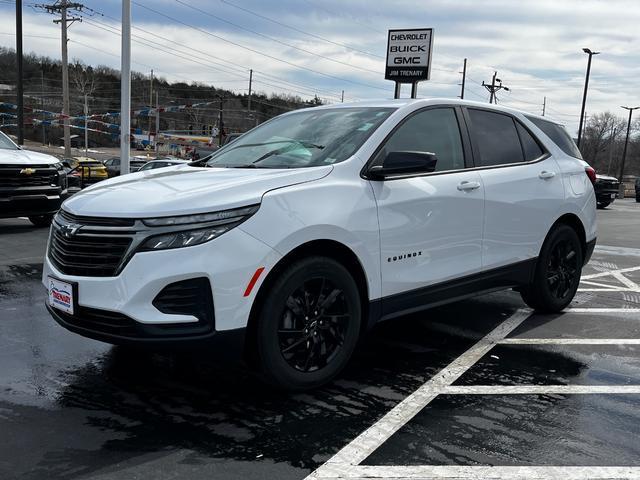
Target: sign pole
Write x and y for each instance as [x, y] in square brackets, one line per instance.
[414, 90]
[396, 92]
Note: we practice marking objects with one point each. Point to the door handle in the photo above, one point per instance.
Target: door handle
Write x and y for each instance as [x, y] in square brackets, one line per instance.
[466, 186]
[545, 175]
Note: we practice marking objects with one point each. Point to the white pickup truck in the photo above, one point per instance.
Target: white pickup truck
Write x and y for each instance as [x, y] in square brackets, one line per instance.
[32, 184]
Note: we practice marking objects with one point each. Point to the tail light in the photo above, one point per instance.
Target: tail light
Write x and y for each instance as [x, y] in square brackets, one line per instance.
[591, 173]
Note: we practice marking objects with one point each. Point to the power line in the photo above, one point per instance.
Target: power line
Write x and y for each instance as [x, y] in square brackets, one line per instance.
[309, 52]
[309, 34]
[272, 57]
[237, 70]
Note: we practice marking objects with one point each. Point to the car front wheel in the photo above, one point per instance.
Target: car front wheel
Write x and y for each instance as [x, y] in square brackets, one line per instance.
[308, 325]
[41, 220]
[557, 272]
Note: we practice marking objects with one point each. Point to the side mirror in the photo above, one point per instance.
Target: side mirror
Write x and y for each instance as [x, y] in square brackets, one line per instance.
[404, 163]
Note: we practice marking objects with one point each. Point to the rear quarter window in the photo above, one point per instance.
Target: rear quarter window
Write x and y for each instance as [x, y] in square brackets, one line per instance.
[559, 135]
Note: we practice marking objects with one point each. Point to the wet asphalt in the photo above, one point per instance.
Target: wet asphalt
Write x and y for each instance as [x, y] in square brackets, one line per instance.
[74, 408]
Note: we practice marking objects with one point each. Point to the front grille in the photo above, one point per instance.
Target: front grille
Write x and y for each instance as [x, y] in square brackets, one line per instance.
[116, 327]
[97, 221]
[10, 176]
[100, 321]
[89, 246]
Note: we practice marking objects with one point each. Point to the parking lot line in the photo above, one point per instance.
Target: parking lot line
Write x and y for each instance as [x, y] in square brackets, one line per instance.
[540, 389]
[570, 341]
[610, 272]
[369, 440]
[353, 472]
[601, 310]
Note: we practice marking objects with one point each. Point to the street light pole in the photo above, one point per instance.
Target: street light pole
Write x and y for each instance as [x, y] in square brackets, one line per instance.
[626, 141]
[125, 88]
[584, 95]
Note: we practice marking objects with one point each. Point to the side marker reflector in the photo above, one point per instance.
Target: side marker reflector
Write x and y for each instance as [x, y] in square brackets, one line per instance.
[253, 281]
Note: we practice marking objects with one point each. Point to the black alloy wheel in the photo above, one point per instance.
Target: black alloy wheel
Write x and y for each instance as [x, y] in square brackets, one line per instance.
[313, 325]
[557, 273]
[562, 269]
[308, 325]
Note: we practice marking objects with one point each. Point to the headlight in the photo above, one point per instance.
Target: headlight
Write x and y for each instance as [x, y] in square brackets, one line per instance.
[224, 216]
[206, 226]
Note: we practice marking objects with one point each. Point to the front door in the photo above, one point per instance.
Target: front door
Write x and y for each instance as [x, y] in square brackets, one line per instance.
[430, 224]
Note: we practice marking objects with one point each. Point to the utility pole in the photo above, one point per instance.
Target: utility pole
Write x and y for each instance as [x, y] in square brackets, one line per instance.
[493, 87]
[86, 126]
[626, 141]
[44, 133]
[544, 106]
[60, 7]
[157, 123]
[125, 88]
[342, 97]
[220, 120]
[250, 85]
[150, 103]
[464, 76]
[19, 83]
[584, 95]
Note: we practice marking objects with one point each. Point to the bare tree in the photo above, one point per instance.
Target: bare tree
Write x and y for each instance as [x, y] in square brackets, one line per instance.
[601, 133]
[84, 80]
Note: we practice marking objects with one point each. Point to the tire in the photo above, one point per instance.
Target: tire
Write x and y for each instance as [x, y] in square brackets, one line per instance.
[603, 204]
[298, 346]
[555, 280]
[638, 199]
[41, 220]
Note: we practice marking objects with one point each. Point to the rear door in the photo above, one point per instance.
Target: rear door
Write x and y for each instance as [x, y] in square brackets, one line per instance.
[523, 187]
[430, 223]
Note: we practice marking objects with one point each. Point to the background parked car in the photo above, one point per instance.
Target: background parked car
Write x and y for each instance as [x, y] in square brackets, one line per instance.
[113, 165]
[87, 170]
[162, 162]
[607, 189]
[637, 189]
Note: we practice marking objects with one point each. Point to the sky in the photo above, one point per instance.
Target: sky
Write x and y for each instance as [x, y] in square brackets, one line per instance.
[308, 47]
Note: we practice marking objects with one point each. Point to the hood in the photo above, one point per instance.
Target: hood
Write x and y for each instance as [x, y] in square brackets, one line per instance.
[605, 177]
[184, 190]
[25, 157]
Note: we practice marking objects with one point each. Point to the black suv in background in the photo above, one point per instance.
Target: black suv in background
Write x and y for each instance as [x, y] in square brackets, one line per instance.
[32, 184]
[637, 189]
[607, 189]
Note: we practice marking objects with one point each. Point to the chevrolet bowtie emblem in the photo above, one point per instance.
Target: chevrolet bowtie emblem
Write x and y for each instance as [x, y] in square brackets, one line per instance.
[28, 171]
[68, 231]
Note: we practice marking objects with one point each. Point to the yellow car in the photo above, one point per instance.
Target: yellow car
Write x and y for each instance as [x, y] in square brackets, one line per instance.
[87, 169]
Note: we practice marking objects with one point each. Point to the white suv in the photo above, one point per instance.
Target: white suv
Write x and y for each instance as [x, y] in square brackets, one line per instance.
[288, 244]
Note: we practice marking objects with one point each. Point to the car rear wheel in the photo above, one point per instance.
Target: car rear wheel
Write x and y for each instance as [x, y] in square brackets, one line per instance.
[308, 325]
[557, 272]
[41, 220]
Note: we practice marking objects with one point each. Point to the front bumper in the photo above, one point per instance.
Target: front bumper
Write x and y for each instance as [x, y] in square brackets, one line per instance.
[26, 203]
[228, 262]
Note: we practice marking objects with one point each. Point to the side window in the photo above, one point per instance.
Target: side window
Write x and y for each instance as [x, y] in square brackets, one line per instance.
[530, 146]
[496, 137]
[435, 131]
[559, 135]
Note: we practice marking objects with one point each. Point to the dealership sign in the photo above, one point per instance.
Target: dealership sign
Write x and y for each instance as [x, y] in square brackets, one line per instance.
[409, 55]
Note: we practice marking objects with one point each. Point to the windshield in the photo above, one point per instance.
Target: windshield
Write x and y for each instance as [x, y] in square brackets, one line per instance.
[303, 139]
[6, 143]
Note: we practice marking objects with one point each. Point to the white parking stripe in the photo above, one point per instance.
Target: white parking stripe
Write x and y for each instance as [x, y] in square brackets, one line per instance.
[611, 272]
[484, 472]
[624, 251]
[601, 310]
[570, 341]
[369, 440]
[540, 389]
